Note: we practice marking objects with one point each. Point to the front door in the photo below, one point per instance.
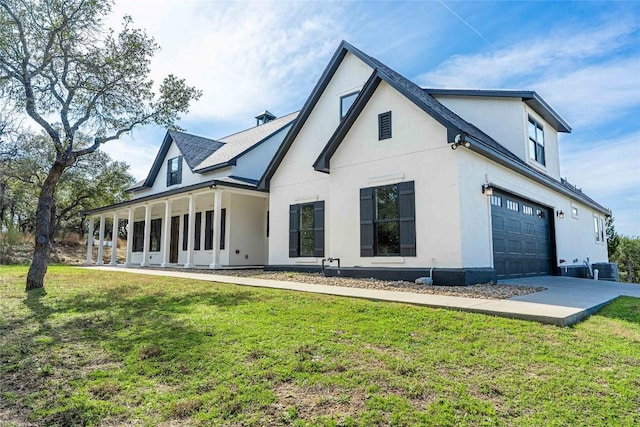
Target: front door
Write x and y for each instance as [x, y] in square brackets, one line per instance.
[173, 246]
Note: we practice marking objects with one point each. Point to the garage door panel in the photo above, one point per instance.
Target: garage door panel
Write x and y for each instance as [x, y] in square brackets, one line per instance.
[513, 225]
[498, 223]
[521, 237]
[515, 247]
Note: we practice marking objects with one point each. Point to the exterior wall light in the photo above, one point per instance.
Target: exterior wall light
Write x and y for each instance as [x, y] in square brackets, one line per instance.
[460, 140]
[560, 214]
[487, 190]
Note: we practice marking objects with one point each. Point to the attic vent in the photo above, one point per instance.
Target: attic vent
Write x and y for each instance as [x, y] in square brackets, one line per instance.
[264, 117]
[384, 126]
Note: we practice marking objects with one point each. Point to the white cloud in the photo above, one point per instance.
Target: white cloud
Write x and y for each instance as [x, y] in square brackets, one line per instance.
[610, 173]
[577, 73]
[550, 56]
[244, 56]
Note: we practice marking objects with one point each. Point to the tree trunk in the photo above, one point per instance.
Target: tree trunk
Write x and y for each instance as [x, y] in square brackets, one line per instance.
[630, 275]
[38, 268]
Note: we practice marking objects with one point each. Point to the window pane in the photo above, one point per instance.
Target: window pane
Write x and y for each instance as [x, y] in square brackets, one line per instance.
[346, 102]
[174, 164]
[388, 238]
[387, 202]
[532, 130]
[306, 217]
[306, 243]
[540, 136]
[540, 154]
[532, 149]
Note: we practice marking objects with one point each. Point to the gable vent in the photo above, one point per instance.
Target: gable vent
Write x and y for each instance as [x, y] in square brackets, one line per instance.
[384, 126]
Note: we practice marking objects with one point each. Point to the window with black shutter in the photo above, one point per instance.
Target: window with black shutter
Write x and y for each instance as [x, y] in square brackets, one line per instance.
[306, 230]
[387, 220]
[155, 235]
[384, 126]
[223, 227]
[138, 236]
[208, 229]
[174, 171]
[185, 232]
[198, 232]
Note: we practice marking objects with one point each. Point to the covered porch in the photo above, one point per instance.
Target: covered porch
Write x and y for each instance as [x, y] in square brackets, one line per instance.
[213, 226]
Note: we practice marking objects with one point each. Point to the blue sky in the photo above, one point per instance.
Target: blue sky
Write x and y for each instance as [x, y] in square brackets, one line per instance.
[583, 58]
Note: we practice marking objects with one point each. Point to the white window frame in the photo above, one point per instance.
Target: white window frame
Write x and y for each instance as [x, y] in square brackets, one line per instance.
[575, 212]
[533, 154]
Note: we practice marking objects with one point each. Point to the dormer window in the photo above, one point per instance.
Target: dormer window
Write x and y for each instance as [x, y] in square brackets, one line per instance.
[536, 141]
[174, 171]
[346, 102]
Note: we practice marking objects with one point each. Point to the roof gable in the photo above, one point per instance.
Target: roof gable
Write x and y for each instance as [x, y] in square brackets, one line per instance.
[310, 103]
[192, 147]
[480, 141]
[529, 97]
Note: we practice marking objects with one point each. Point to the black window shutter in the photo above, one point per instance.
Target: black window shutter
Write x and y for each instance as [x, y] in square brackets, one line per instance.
[318, 229]
[294, 227]
[367, 213]
[185, 232]
[223, 226]
[208, 230]
[179, 170]
[168, 172]
[198, 233]
[384, 125]
[407, 198]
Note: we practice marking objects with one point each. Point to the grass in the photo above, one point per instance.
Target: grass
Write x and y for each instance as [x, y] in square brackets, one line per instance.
[109, 348]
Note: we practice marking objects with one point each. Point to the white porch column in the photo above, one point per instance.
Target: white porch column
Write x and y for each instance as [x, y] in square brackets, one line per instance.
[90, 243]
[166, 234]
[129, 237]
[114, 239]
[147, 236]
[190, 232]
[101, 242]
[217, 214]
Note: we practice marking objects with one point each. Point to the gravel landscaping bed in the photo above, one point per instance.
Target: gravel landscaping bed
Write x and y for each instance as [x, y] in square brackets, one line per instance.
[486, 290]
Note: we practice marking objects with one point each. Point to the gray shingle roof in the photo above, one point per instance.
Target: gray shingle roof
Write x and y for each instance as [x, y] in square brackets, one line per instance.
[454, 124]
[194, 148]
[238, 143]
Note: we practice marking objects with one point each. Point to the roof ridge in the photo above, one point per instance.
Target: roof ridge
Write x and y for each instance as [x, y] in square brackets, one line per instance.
[171, 132]
[253, 127]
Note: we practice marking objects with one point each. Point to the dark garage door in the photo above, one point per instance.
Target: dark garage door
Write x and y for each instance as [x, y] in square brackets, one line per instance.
[521, 237]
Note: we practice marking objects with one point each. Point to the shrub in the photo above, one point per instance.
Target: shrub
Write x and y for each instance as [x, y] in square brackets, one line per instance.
[10, 236]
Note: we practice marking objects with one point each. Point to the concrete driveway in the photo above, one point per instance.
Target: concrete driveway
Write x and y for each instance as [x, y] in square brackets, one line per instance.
[584, 294]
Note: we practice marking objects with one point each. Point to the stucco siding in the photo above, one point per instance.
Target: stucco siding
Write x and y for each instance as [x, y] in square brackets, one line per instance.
[246, 227]
[253, 163]
[505, 120]
[295, 181]
[418, 151]
[297, 165]
[574, 237]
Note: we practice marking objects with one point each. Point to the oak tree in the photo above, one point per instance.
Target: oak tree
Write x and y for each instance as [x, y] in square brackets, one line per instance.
[72, 76]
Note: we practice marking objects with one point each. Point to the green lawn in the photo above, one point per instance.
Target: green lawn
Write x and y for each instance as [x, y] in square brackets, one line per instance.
[109, 348]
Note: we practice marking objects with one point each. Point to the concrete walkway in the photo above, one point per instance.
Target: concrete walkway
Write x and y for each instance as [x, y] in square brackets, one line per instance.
[565, 302]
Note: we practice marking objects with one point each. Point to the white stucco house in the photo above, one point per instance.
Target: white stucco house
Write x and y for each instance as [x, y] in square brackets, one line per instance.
[394, 179]
[199, 205]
